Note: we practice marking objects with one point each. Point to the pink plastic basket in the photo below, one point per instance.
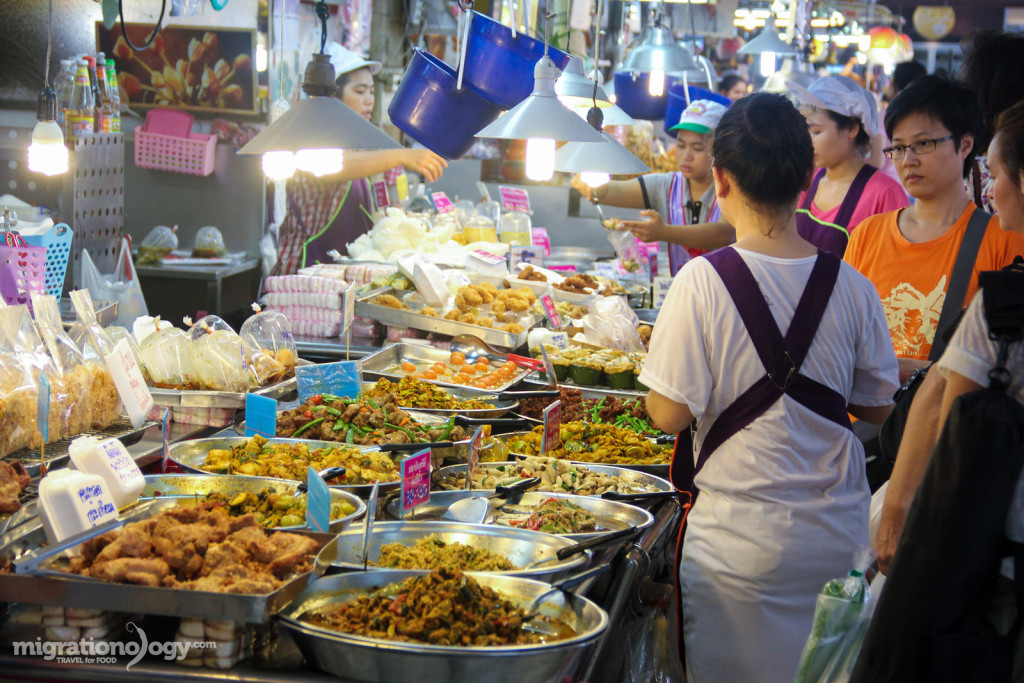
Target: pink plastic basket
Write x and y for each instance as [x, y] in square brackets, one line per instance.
[22, 272]
[193, 155]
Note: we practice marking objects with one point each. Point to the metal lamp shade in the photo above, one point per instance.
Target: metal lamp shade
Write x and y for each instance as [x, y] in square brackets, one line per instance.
[574, 88]
[768, 41]
[598, 157]
[658, 51]
[318, 123]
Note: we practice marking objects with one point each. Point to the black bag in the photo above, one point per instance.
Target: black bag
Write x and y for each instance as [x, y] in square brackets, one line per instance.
[930, 625]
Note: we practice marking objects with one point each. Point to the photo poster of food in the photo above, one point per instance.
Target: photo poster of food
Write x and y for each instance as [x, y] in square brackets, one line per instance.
[186, 67]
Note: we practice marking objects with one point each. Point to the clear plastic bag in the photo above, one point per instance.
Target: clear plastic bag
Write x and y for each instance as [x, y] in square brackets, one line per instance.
[95, 346]
[121, 286]
[270, 333]
[167, 356]
[209, 243]
[160, 242]
[116, 334]
[17, 402]
[612, 324]
[68, 360]
[219, 356]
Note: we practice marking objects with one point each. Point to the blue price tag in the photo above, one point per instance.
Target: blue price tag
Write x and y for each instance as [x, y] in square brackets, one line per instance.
[342, 378]
[318, 502]
[43, 408]
[260, 416]
[166, 428]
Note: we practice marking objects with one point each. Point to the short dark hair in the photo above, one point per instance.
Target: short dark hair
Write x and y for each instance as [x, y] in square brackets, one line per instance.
[863, 140]
[1010, 129]
[953, 104]
[763, 143]
[905, 72]
[728, 82]
[991, 67]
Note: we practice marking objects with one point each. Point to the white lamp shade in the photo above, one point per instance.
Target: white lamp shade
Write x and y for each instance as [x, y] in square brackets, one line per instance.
[318, 123]
[607, 156]
[574, 88]
[768, 41]
[658, 51]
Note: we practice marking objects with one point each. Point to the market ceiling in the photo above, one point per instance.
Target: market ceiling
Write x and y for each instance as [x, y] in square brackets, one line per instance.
[970, 15]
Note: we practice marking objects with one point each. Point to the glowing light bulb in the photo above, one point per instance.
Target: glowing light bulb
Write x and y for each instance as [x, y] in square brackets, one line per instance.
[278, 165]
[593, 179]
[47, 153]
[540, 158]
[767, 63]
[656, 83]
[319, 162]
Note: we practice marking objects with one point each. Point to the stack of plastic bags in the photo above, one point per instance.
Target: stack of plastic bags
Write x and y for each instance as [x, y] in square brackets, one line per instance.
[312, 304]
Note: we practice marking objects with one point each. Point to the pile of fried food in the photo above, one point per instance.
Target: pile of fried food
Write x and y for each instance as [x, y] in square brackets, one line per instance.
[292, 461]
[430, 552]
[271, 508]
[480, 304]
[582, 283]
[445, 607]
[597, 443]
[361, 422]
[410, 392]
[556, 476]
[530, 274]
[13, 480]
[196, 548]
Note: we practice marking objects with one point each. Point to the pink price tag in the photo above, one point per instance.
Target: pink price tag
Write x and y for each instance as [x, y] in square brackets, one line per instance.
[514, 199]
[488, 257]
[474, 455]
[551, 312]
[415, 480]
[568, 269]
[540, 238]
[552, 427]
[442, 203]
[380, 194]
[391, 175]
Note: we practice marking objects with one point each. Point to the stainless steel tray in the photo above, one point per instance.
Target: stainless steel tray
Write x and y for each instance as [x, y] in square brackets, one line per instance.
[500, 407]
[586, 391]
[379, 364]
[57, 452]
[190, 456]
[661, 471]
[611, 515]
[178, 487]
[519, 546]
[446, 476]
[418, 321]
[189, 398]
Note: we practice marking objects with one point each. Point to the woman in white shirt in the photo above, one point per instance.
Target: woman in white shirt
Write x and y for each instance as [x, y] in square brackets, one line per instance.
[783, 499]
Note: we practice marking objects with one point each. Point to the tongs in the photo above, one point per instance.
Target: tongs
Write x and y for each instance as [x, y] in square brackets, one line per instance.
[596, 542]
[326, 475]
[563, 586]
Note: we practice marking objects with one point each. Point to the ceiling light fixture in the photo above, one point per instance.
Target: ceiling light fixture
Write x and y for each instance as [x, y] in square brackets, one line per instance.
[47, 153]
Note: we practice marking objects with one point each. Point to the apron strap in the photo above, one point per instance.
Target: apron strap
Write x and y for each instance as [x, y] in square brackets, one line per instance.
[812, 190]
[853, 195]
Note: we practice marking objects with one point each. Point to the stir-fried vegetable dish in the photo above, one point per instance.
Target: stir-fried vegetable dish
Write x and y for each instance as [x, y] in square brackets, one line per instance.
[630, 413]
[431, 552]
[293, 460]
[444, 607]
[555, 516]
[409, 392]
[361, 422]
[598, 443]
[272, 509]
[557, 476]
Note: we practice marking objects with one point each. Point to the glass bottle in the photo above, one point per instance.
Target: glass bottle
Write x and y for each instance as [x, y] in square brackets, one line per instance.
[516, 228]
[97, 96]
[106, 104]
[80, 113]
[65, 87]
[115, 97]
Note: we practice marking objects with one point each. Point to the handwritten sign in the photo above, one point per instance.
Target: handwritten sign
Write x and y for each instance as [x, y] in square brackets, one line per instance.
[524, 253]
[552, 438]
[560, 340]
[415, 480]
[540, 238]
[661, 287]
[318, 502]
[442, 203]
[474, 455]
[514, 199]
[341, 378]
[380, 194]
[260, 416]
[551, 312]
[402, 187]
[131, 386]
[43, 408]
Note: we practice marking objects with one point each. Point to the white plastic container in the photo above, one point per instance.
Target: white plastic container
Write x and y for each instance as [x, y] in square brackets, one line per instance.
[71, 502]
[111, 461]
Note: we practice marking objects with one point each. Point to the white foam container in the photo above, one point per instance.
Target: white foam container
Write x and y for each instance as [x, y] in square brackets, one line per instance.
[109, 460]
[71, 502]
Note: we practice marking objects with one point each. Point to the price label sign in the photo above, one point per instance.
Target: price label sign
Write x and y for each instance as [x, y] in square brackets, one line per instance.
[487, 257]
[524, 253]
[567, 269]
[415, 480]
[474, 455]
[540, 238]
[552, 427]
[551, 312]
[380, 194]
[549, 368]
[661, 287]
[318, 502]
[260, 416]
[442, 203]
[402, 187]
[514, 199]
[560, 340]
[43, 407]
[131, 386]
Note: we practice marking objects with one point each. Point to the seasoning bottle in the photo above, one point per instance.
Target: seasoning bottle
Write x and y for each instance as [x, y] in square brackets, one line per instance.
[80, 112]
[115, 97]
[97, 96]
[106, 104]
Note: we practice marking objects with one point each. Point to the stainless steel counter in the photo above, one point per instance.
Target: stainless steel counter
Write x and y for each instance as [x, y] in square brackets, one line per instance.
[192, 272]
[173, 292]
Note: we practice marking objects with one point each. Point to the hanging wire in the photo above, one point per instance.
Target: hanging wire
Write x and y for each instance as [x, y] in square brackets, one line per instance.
[322, 13]
[49, 47]
[152, 36]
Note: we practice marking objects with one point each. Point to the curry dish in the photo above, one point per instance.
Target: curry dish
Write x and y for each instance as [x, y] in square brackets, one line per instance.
[410, 392]
[272, 509]
[597, 443]
[431, 552]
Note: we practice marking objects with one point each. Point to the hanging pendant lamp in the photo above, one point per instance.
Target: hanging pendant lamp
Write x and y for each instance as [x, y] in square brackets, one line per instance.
[574, 88]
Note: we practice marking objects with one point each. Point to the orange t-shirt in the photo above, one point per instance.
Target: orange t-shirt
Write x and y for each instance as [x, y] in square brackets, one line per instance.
[912, 277]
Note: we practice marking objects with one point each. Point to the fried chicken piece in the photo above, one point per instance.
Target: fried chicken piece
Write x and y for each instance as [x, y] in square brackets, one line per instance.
[133, 541]
[528, 273]
[485, 295]
[182, 546]
[460, 302]
[149, 571]
[517, 303]
[390, 301]
[485, 322]
[255, 542]
[13, 480]
[527, 293]
[452, 314]
[498, 307]
[513, 328]
[221, 555]
[288, 564]
[471, 296]
[429, 310]
[247, 521]
[293, 543]
[235, 578]
[488, 286]
[467, 318]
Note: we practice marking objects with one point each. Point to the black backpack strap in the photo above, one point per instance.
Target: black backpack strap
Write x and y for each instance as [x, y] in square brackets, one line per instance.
[960, 279]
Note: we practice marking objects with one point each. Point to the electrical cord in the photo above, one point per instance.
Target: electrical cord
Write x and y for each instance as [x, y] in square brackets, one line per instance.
[152, 36]
[322, 13]
[49, 47]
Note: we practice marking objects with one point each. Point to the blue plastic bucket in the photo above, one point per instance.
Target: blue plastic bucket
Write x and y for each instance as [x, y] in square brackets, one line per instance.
[428, 108]
[634, 98]
[499, 67]
[677, 103]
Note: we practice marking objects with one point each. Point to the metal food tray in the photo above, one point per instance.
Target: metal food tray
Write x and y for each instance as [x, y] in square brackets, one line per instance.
[587, 391]
[394, 316]
[56, 453]
[446, 476]
[197, 398]
[36, 582]
[661, 471]
[499, 408]
[375, 365]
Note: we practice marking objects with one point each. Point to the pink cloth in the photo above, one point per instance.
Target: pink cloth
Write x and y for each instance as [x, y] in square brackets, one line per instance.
[881, 195]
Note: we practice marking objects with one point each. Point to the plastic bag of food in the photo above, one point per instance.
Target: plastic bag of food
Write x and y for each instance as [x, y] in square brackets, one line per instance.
[69, 361]
[167, 356]
[209, 243]
[96, 346]
[270, 333]
[224, 362]
[612, 324]
[116, 334]
[17, 402]
[160, 242]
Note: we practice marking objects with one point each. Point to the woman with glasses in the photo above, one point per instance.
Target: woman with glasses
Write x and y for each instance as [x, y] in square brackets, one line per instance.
[909, 254]
[842, 118]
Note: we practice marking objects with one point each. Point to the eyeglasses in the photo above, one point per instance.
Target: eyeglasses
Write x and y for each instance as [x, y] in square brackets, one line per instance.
[918, 148]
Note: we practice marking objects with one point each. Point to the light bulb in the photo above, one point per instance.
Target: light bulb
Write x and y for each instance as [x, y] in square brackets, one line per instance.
[278, 165]
[656, 83]
[593, 179]
[540, 158]
[767, 63]
[47, 153]
[319, 162]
